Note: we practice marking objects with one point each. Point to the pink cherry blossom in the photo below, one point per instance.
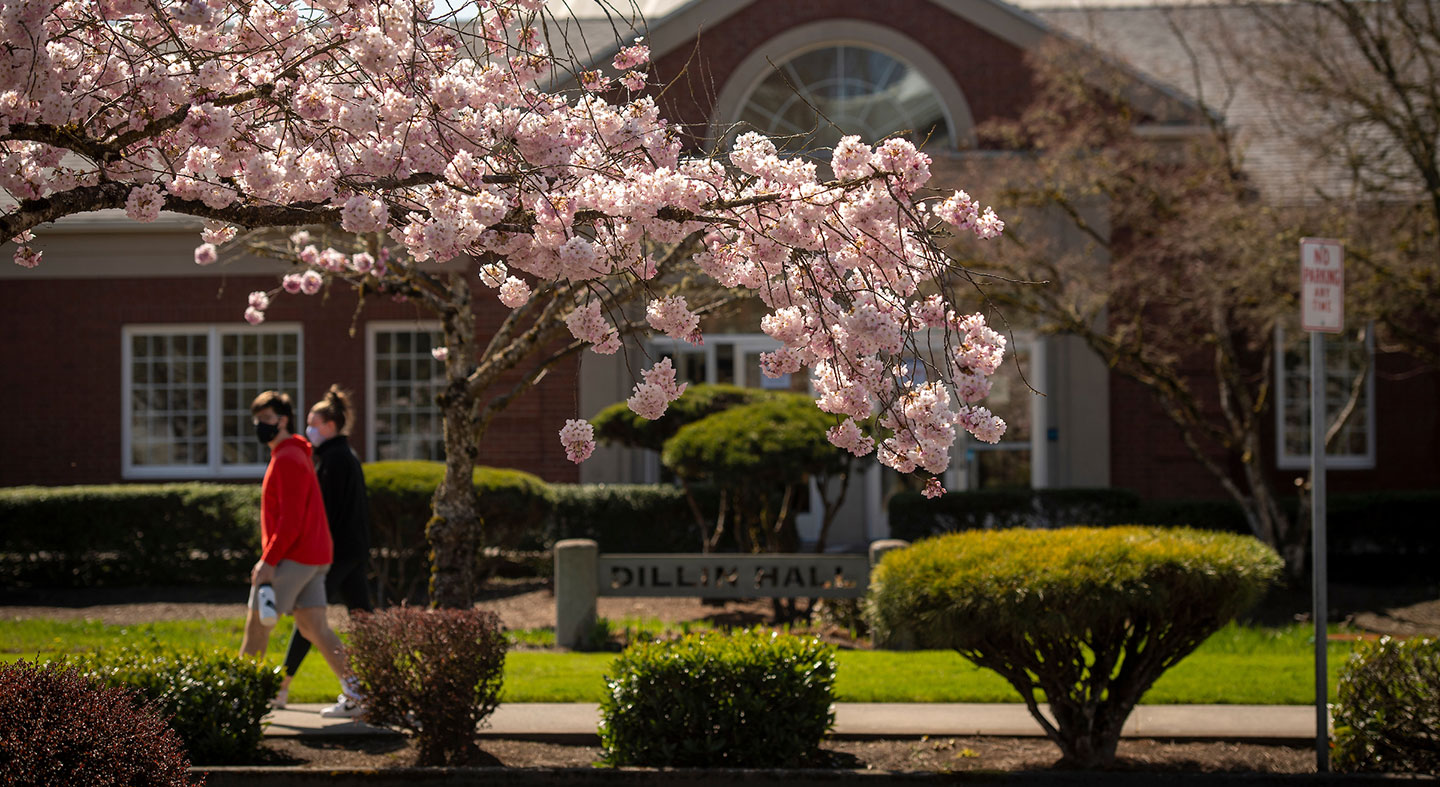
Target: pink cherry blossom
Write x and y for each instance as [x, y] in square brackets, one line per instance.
[672, 317]
[933, 489]
[631, 56]
[363, 214]
[259, 300]
[578, 437]
[311, 282]
[27, 257]
[218, 232]
[514, 292]
[443, 143]
[849, 437]
[652, 397]
[440, 353]
[144, 203]
[254, 316]
[587, 325]
[205, 254]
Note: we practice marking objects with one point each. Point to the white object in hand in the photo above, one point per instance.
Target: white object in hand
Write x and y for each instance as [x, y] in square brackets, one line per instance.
[269, 613]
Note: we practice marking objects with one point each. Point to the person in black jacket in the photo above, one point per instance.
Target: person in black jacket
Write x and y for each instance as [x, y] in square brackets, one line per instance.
[347, 507]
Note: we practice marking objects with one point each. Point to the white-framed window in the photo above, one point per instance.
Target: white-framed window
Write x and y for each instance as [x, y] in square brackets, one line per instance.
[1347, 359]
[732, 359]
[186, 393]
[402, 381]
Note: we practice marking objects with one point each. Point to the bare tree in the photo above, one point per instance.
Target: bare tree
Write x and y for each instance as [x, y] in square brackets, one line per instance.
[1159, 255]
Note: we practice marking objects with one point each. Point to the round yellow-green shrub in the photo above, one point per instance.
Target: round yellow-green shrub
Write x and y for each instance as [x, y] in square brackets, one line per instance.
[1083, 618]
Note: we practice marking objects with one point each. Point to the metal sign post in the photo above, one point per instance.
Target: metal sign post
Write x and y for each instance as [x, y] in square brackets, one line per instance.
[1322, 311]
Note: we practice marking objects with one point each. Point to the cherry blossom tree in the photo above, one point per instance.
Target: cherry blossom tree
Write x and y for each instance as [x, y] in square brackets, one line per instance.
[441, 139]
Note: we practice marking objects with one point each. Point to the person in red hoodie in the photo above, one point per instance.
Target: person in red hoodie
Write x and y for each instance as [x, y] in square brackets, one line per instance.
[295, 547]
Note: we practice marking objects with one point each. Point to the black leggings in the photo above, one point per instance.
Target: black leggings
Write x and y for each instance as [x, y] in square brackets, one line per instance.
[346, 580]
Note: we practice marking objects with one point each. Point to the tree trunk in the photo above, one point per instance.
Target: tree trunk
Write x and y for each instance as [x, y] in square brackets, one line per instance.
[454, 531]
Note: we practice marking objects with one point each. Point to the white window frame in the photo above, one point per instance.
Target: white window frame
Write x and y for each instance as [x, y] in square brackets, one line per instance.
[741, 342]
[213, 468]
[372, 448]
[1285, 460]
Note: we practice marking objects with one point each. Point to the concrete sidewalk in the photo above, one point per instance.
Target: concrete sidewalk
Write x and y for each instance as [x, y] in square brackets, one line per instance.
[577, 722]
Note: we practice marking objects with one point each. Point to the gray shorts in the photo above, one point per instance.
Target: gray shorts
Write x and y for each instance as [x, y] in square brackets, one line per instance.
[297, 586]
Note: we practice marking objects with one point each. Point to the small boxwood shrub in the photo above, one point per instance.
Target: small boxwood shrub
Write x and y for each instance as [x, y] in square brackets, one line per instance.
[434, 672]
[215, 701]
[57, 728]
[619, 424]
[1387, 717]
[1091, 617]
[152, 534]
[748, 699]
[513, 506]
[629, 517]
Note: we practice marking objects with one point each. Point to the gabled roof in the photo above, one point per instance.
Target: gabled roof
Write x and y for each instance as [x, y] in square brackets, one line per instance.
[1201, 49]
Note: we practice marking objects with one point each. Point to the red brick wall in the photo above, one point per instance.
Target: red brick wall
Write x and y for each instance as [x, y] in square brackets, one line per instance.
[990, 71]
[62, 362]
[1148, 456]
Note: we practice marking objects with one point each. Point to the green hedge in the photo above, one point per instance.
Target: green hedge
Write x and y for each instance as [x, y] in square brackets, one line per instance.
[1380, 537]
[88, 536]
[628, 517]
[513, 504]
[913, 517]
[752, 699]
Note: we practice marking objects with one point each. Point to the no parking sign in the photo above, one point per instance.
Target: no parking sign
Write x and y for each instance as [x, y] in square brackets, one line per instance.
[1322, 285]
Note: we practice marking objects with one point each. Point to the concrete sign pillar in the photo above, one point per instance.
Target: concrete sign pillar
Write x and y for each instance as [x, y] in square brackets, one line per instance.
[899, 639]
[576, 586]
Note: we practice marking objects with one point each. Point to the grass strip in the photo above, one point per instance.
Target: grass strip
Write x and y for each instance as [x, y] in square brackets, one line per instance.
[1239, 665]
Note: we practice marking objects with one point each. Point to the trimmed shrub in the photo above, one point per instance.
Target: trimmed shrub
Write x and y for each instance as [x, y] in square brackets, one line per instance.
[752, 699]
[776, 441]
[913, 517]
[629, 517]
[619, 424]
[761, 456]
[215, 701]
[1387, 717]
[162, 534]
[56, 728]
[513, 506]
[1091, 617]
[434, 672]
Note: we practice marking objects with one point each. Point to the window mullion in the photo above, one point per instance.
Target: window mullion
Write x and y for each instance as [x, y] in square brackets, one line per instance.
[212, 399]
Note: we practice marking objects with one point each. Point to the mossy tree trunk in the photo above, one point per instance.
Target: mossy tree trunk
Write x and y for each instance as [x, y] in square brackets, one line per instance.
[454, 531]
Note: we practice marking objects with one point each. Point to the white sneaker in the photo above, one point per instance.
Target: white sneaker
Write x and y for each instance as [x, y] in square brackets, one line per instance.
[265, 598]
[281, 699]
[345, 707]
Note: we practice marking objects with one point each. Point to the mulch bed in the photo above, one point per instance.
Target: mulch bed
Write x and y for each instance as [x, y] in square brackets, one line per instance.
[914, 755]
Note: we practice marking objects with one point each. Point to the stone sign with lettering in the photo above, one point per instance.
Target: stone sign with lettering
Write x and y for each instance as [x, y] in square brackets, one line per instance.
[734, 576]
[582, 575]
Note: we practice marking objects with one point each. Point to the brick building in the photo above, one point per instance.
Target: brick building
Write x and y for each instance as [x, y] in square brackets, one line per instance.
[126, 362]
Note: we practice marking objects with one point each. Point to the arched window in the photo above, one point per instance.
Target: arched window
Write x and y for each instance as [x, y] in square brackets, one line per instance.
[818, 95]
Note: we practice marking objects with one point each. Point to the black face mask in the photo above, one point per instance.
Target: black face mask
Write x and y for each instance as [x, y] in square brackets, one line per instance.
[266, 432]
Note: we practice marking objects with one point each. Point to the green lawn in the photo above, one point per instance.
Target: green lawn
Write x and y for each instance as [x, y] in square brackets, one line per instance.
[1237, 665]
